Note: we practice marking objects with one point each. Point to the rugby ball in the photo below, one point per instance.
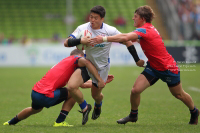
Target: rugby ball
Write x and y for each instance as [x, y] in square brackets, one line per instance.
[83, 33]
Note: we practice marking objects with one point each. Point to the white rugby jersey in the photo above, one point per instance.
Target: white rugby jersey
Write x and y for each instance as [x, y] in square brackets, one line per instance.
[99, 54]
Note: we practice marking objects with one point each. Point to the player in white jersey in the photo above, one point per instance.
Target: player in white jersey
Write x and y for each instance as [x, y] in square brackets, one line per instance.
[98, 55]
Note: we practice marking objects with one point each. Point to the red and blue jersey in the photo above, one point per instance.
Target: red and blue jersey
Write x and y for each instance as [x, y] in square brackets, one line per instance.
[155, 50]
[57, 76]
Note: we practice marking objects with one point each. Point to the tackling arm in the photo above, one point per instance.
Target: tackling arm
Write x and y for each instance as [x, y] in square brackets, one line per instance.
[134, 54]
[83, 62]
[88, 84]
[122, 37]
[116, 38]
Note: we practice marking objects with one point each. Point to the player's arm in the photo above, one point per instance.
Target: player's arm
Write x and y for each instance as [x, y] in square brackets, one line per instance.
[116, 38]
[121, 37]
[88, 84]
[131, 48]
[133, 52]
[136, 40]
[71, 42]
[82, 62]
[125, 37]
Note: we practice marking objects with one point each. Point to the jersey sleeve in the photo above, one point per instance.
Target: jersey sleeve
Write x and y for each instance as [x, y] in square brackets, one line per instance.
[115, 32]
[76, 58]
[111, 30]
[75, 33]
[141, 32]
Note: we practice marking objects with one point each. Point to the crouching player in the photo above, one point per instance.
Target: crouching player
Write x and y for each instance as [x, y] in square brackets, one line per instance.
[50, 90]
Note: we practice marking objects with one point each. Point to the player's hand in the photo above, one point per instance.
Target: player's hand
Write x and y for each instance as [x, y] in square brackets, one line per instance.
[110, 78]
[85, 40]
[96, 40]
[140, 63]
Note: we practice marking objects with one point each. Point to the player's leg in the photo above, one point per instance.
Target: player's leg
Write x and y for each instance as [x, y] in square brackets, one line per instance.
[175, 87]
[144, 80]
[68, 104]
[140, 85]
[97, 95]
[73, 84]
[97, 92]
[178, 92]
[76, 80]
[25, 113]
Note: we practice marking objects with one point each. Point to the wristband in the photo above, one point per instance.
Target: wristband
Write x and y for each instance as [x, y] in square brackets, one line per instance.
[105, 39]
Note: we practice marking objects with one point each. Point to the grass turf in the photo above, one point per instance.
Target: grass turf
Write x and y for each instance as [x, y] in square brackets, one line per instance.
[159, 111]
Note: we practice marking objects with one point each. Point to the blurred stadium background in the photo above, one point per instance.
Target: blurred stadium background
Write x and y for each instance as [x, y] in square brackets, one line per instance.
[43, 25]
[32, 33]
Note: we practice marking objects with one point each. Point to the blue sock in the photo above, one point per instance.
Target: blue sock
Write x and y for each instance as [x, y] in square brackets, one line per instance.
[62, 116]
[133, 113]
[83, 105]
[14, 121]
[98, 105]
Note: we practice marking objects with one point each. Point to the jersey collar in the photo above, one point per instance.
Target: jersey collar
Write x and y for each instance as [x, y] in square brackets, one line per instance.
[100, 27]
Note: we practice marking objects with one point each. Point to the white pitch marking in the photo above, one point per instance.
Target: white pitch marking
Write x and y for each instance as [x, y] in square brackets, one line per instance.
[194, 89]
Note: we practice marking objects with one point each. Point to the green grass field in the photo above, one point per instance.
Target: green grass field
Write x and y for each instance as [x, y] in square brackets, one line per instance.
[159, 111]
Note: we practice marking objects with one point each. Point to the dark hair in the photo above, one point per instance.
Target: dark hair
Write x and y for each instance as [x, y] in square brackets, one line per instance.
[146, 12]
[99, 10]
[77, 52]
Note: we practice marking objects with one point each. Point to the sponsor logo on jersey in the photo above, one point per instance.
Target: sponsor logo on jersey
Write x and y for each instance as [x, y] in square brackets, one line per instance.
[102, 35]
[99, 45]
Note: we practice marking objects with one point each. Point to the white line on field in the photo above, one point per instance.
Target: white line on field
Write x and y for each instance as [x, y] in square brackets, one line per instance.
[194, 89]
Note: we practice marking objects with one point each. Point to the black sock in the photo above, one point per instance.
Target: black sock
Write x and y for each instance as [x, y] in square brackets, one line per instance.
[14, 121]
[194, 112]
[62, 116]
[133, 113]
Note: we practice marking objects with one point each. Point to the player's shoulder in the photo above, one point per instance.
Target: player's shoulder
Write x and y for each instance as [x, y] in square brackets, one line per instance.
[72, 57]
[75, 57]
[141, 29]
[109, 27]
[111, 30]
[84, 26]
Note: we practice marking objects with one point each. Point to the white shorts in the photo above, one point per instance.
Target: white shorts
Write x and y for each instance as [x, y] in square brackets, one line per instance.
[103, 74]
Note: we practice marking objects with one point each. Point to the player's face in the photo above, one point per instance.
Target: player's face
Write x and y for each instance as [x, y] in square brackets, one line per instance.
[95, 20]
[138, 21]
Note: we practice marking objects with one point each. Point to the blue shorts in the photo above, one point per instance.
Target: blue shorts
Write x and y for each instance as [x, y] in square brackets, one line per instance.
[167, 76]
[40, 100]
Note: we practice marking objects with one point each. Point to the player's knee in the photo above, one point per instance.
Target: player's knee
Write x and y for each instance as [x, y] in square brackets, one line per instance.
[71, 87]
[135, 90]
[178, 96]
[34, 111]
[97, 96]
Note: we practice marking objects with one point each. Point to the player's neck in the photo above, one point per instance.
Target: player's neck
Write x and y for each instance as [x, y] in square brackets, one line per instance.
[143, 23]
[97, 28]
